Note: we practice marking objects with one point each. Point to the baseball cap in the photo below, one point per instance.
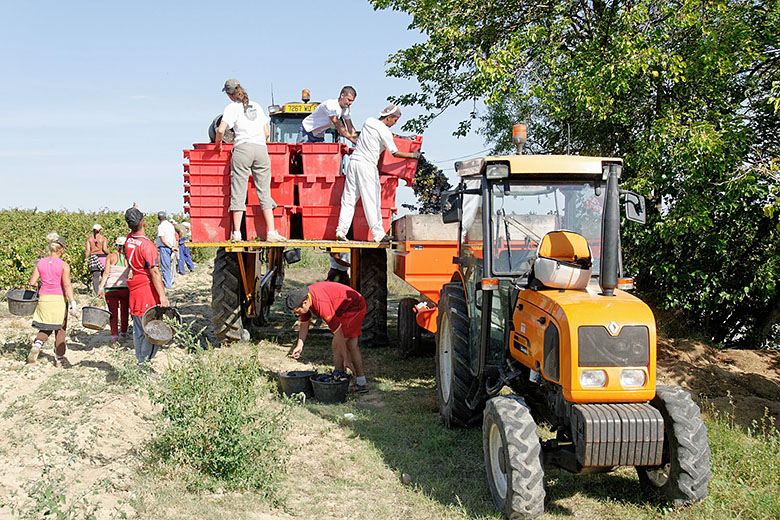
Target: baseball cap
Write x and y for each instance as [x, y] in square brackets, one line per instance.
[60, 241]
[97, 227]
[120, 241]
[296, 297]
[133, 217]
[161, 215]
[230, 86]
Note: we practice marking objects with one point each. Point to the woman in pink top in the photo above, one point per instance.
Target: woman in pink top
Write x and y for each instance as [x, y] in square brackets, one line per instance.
[51, 314]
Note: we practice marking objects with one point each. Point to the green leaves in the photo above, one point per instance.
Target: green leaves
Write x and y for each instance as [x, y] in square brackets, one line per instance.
[686, 92]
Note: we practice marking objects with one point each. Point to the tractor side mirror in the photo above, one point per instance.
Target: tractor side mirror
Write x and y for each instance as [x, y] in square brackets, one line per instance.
[451, 206]
[635, 207]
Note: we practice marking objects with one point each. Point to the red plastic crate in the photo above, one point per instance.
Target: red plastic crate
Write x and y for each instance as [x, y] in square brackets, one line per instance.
[281, 190]
[255, 222]
[322, 159]
[280, 154]
[210, 146]
[360, 229]
[319, 191]
[199, 190]
[208, 201]
[403, 168]
[319, 223]
[200, 168]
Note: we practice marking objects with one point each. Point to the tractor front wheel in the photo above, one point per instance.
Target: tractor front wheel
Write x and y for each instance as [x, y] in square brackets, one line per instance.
[513, 458]
[684, 472]
[453, 373]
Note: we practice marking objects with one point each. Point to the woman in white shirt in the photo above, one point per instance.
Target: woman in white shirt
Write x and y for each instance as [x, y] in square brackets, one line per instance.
[250, 156]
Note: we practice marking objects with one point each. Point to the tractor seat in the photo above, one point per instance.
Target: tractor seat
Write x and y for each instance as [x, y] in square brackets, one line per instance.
[563, 260]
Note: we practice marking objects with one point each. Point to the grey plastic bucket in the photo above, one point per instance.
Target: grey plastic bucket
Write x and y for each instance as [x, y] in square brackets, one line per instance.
[296, 382]
[95, 318]
[22, 302]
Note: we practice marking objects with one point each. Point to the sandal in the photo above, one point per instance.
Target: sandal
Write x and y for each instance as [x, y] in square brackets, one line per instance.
[359, 389]
[61, 362]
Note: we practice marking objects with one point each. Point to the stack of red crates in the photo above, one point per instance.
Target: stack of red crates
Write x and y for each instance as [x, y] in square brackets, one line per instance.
[314, 194]
[207, 192]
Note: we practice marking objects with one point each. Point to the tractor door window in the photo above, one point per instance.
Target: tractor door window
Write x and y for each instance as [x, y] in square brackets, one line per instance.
[523, 214]
[285, 130]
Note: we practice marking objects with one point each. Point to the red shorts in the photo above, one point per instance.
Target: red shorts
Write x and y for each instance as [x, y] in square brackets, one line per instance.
[351, 322]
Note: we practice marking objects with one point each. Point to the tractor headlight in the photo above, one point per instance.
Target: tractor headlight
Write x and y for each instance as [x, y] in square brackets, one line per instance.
[632, 378]
[593, 378]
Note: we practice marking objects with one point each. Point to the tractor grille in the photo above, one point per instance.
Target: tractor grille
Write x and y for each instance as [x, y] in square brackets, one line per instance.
[617, 434]
[630, 348]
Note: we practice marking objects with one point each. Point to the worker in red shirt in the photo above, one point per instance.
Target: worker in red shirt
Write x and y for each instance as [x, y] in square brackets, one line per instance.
[145, 282]
[343, 309]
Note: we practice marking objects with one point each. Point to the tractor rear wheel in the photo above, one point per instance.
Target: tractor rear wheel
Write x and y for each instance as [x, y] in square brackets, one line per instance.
[409, 332]
[684, 472]
[453, 373]
[226, 298]
[513, 458]
[373, 286]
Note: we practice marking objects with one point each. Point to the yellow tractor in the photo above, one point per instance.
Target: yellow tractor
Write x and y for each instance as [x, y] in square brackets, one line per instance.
[538, 304]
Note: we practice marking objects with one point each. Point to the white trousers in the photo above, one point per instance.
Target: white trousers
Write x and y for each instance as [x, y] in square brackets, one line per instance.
[362, 182]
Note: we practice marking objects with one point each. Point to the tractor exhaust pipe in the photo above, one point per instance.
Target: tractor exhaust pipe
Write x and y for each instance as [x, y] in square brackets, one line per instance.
[610, 231]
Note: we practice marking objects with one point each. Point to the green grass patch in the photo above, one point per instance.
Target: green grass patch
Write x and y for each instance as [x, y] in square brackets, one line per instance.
[214, 422]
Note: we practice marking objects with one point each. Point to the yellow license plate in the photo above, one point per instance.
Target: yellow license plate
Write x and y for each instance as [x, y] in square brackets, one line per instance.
[297, 108]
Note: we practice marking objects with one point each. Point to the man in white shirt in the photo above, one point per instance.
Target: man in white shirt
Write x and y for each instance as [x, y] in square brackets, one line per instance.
[333, 112]
[362, 180]
[166, 243]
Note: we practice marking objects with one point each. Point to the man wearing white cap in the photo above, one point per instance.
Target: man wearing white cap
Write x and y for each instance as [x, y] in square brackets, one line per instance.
[362, 180]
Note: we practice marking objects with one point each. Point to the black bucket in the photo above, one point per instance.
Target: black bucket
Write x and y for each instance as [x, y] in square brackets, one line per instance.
[296, 381]
[22, 302]
[329, 392]
[94, 318]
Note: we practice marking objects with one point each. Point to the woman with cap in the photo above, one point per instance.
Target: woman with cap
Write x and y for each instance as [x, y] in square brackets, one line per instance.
[362, 180]
[113, 288]
[95, 255]
[250, 156]
[51, 314]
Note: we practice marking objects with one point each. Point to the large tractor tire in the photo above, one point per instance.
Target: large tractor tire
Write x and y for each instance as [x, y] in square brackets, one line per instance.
[513, 458]
[409, 332]
[226, 298]
[373, 287]
[684, 472]
[453, 376]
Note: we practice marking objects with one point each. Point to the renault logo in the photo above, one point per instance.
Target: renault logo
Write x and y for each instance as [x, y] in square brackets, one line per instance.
[613, 328]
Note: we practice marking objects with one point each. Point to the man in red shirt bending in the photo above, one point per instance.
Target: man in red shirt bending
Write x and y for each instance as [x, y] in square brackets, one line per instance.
[343, 309]
[145, 282]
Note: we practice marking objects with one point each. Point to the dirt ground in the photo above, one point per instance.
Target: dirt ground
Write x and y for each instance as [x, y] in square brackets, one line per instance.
[78, 431]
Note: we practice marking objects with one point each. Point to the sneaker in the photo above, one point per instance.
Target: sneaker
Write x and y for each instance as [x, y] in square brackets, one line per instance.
[359, 389]
[274, 236]
[236, 236]
[114, 339]
[123, 334]
[341, 237]
[61, 362]
[33, 355]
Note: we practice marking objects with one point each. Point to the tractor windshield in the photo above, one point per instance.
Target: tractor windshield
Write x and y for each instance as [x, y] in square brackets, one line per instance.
[284, 129]
[521, 214]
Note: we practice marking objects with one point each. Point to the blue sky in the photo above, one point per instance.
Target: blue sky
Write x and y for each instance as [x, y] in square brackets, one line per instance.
[100, 98]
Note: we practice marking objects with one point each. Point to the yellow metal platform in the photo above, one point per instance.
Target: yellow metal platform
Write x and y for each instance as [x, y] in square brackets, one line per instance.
[334, 245]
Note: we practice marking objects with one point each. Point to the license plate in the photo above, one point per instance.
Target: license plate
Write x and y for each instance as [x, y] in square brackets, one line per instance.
[298, 108]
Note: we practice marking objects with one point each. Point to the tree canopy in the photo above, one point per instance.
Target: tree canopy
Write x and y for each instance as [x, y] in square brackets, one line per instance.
[687, 92]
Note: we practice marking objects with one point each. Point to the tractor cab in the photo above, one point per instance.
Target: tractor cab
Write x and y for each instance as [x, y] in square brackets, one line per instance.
[286, 120]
